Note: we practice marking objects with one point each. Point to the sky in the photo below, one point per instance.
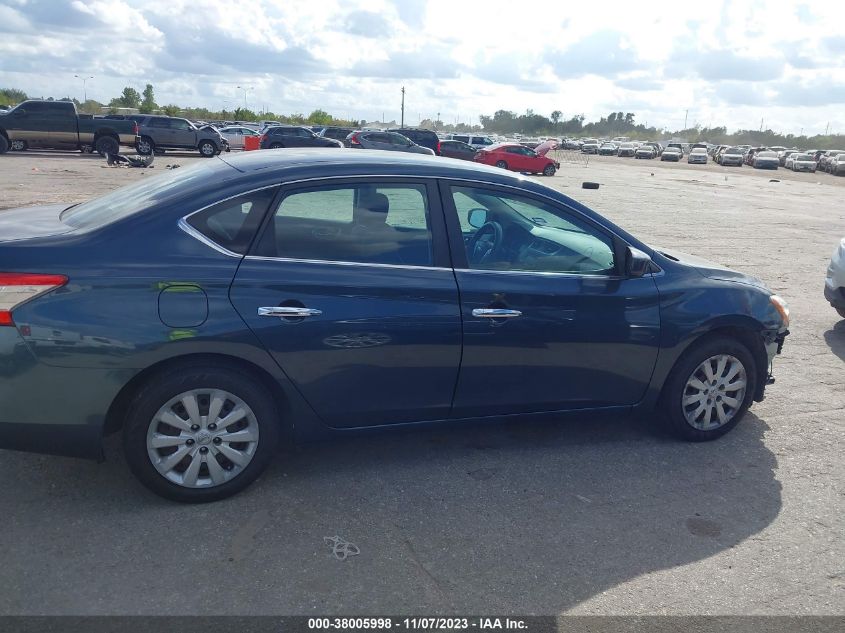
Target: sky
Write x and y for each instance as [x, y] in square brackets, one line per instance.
[738, 63]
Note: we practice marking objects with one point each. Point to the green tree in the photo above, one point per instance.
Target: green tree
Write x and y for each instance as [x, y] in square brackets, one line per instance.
[320, 117]
[556, 117]
[171, 109]
[129, 98]
[148, 104]
[12, 96]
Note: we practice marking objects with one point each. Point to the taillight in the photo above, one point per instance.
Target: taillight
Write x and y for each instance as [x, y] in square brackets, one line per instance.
[353, 140]
[16, 288]
[263, 138]
[438, 148]
[137, 129]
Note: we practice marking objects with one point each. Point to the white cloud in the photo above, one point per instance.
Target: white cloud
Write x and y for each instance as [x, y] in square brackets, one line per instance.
[726, 62]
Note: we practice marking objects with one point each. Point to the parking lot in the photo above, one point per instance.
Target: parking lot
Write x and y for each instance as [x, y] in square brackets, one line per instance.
[582, 516]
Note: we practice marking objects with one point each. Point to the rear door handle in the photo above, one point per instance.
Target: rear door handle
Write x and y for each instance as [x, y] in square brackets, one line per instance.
[288, 311]
[495, 313]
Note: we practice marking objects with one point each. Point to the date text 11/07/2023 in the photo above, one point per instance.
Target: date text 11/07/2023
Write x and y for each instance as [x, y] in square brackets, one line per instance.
[424, 624]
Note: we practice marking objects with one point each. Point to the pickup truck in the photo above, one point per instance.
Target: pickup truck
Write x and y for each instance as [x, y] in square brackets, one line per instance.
[56, 125]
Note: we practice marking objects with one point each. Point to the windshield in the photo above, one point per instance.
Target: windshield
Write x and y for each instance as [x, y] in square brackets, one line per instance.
[767, 155]
[133, 198]
[804, 157]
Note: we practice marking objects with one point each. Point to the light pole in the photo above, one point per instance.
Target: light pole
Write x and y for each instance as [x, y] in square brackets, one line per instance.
[245, 89]
[84, 90]
[402, 124]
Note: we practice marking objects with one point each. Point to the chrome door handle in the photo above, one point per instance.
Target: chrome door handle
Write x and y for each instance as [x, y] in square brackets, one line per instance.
[288, 311]
[495, 313]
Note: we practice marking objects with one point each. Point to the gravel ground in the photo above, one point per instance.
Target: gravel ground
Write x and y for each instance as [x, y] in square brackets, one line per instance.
[579, 517]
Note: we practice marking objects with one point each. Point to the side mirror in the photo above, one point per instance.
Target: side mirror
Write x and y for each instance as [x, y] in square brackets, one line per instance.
[477, 218]
[637, 263]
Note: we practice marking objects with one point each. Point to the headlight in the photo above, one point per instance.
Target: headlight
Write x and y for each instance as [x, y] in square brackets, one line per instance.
[782, 308]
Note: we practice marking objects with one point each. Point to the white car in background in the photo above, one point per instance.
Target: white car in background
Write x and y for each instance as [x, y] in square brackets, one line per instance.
[698, 155]
[834, 283]
[801, 162]
[235, 134]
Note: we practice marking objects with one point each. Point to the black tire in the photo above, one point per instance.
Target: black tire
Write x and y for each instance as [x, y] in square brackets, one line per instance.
[670, 405]
[502, 164]
[4, 144]
[18, 146]
[840, 312]
[145, 146]
[549, 170]
[163, 387]
[589, 185]
[106, 145]
[207, 149]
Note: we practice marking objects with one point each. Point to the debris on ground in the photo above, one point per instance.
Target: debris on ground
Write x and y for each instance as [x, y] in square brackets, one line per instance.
[119, 160]
[340, 548]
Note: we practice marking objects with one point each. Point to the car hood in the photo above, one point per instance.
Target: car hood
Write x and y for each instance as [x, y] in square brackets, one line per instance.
[712, 270]
[29, 222]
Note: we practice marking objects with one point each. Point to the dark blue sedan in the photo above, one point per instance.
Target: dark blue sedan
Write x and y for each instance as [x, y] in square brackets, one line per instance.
[210, 311]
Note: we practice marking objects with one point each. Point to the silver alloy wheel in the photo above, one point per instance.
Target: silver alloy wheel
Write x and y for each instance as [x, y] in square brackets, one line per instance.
[207, 149]
[202, 438]
[144, 146]
[714, 392]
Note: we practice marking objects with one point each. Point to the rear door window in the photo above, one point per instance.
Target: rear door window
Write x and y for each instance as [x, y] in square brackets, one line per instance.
[372, 223]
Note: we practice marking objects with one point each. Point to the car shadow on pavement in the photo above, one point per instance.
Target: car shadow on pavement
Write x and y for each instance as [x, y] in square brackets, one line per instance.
[835, 339]
[524, 518]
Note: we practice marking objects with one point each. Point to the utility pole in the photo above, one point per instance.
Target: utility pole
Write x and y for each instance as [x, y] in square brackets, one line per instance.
[437, 121]
[761, 124]
[84, 90]
[826, 128]
[245, 89]
[686, 114]
[402, 121]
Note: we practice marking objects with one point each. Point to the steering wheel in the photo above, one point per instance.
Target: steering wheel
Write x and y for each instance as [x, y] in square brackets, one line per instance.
[485, 243]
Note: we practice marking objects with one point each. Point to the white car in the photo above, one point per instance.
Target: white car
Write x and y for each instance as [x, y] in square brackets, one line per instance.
[732, 156]
[698, 155]
[766, 160]
[801, 162]
[834, 283]
[235, 134]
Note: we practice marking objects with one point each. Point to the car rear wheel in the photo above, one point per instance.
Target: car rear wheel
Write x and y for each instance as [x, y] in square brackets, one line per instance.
[106, 145]
[549, 170]
[709, 390]
[145, 146]
[200, 434]
[501, 164]
[207, 149]
[841, 312]
[4, 144]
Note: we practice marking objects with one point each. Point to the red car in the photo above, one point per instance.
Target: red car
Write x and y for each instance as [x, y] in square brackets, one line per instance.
[517, 158]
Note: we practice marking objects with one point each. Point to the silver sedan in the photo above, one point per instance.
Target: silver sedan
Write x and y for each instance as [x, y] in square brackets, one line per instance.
[235, 134]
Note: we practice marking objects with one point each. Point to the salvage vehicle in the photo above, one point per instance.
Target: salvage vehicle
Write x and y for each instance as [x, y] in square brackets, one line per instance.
[165, 132]
[766, 159]
[836, 164]
[607, 149]
[645, 151]
[732, 156]
[279, 136]
[517, 157]
[386, 142]
[451, 148]
[834, 282]
[56, 125]
[801, 162]
[313, 293]
[672, 154]
[698, 155]
[627, 149]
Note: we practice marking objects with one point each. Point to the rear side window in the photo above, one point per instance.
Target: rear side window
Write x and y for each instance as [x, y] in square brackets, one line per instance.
[364, 223]
[233, 223]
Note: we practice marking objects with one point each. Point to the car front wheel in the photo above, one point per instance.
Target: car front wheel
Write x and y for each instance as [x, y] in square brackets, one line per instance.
[200, 434]
[207, 149]
[549, 170]
[106, 146]
[501, 164]
[145, 146]
[709, 390]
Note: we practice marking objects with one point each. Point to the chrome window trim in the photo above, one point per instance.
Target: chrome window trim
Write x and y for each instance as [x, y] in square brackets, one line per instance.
[197, 235]
[294, 260]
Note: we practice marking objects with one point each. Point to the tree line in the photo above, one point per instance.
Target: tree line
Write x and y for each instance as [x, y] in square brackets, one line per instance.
[502, 122]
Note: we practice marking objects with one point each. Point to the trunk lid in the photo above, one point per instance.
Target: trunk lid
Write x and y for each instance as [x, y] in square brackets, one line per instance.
[32, 222]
